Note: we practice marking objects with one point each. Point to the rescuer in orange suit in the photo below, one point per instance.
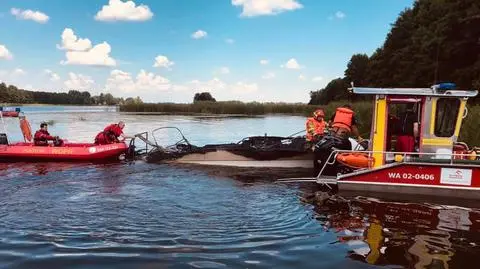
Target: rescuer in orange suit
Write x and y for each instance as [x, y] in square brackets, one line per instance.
[342, 124]
[42, 136]
[316, 126]
[111, 133]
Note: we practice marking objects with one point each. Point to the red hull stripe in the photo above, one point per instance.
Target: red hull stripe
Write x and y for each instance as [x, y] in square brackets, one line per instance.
[70, 151]
[421, 175]
[10, 113]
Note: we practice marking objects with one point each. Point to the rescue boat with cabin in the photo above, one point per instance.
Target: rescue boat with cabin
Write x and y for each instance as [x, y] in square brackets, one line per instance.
[440, 165]
[27, 151]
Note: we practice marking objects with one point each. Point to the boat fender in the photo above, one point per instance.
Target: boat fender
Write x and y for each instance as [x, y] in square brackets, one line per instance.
[26, 129]
[472, 155]
[355, 160]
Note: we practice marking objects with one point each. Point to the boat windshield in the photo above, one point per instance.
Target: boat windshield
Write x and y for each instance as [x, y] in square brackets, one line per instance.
[446, 116]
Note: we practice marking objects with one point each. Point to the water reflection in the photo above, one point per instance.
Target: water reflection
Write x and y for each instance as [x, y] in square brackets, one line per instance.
[403, 234]
[139, 215]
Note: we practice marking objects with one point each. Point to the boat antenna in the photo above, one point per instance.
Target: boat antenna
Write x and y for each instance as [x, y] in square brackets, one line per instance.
[435, 75]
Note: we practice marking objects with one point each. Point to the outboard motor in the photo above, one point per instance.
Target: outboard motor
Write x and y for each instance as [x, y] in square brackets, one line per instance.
[327, 143]
[3, 139]
[130, 153]
[322, 151]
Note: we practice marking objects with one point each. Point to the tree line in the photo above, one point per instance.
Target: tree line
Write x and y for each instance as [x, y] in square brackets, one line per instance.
[12, 95]
[429, 43]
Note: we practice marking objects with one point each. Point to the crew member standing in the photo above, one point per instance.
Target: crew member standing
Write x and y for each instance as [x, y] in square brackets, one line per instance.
[343, 123]
[407, 130]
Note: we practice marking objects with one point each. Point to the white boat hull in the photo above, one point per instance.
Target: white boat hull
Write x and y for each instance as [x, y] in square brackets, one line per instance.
[226, 158]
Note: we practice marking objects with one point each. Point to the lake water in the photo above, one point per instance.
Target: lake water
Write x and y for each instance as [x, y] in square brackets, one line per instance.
[140, 215]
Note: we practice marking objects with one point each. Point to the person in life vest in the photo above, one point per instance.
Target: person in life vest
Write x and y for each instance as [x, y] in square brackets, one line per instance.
[343, 123]
[42, 136]
[316, 126]
[111, 133]
[407, 130]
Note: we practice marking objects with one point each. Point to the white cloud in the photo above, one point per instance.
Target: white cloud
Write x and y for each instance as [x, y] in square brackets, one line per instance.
[13, 74]
[180, 88]
[81, 52]
[292, 64]
[339, 15]
[28, 14]
[268, 75]
[316, 79]
[229, 41]
[123, 82]
[243, 88]
[224, 70]
[210, 85]
[253, 8]
[18, 72]
[302, 77]
[97, 56]
[117, 10]
[72, 43]
[5, 53]
[163, 61]
[263, 62]
[79, 82]
[53, 76]
[199, 34]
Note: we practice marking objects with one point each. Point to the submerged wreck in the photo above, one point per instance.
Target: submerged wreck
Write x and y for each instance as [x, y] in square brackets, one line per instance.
[254, 151]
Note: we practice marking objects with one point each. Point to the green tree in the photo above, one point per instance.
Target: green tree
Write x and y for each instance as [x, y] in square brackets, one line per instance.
[204, 96]
[336, 89]
[357, 69]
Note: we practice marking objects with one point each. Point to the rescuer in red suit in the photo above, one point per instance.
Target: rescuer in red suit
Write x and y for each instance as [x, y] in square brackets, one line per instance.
[111, 133]
[42, 136]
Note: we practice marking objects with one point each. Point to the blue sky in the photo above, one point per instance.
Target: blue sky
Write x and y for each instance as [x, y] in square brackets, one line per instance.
[166, 50]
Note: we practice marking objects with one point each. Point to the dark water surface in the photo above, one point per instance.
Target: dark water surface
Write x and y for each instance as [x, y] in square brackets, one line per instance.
[139, 215]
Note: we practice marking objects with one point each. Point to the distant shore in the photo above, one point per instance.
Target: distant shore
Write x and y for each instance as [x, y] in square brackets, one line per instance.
[42, 104]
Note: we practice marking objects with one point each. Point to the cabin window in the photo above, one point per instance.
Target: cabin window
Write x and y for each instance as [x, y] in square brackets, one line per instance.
[446, 116]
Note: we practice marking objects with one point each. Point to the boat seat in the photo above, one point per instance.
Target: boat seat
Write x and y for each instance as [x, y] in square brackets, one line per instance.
[458, 146]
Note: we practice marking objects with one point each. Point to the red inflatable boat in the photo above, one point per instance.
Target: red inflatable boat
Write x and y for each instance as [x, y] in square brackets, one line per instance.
[66, 152]
[23, 151]
[10, 111]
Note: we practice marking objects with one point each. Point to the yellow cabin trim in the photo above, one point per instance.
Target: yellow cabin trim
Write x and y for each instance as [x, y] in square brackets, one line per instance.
[437, 142]
[461, 111]
[432, 116]
[379, 132]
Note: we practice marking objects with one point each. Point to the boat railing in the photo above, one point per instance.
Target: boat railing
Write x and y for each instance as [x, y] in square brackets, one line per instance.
[406, 157]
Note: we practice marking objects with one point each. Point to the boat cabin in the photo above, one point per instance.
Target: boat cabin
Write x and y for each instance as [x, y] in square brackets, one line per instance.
[435, 114]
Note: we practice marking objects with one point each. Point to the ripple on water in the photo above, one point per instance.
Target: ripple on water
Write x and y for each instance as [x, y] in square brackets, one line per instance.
[155, 216]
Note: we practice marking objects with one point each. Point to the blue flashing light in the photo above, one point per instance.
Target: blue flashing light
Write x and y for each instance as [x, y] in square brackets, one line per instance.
[445, 86]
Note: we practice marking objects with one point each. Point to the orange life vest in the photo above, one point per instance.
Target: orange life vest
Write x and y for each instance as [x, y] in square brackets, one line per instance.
[314, 127]
[343, 118]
